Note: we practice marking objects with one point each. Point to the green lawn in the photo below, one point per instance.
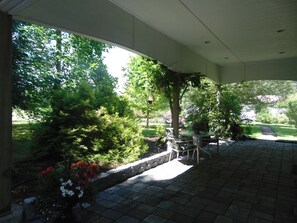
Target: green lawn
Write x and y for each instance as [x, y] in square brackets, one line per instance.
[152, 130]
[149, 132]
[253, 131]
[284, 132]
[21, 141]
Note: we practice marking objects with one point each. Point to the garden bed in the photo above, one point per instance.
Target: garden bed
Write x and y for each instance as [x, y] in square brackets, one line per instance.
[25, 174]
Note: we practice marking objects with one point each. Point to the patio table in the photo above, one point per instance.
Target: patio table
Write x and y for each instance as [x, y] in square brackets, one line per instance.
[198, 140]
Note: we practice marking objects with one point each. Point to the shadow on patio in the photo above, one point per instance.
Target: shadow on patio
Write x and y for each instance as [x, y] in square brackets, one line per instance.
[250, 181]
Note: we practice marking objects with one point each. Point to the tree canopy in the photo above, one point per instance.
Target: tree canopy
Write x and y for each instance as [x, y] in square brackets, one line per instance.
[141, 86]
[46, 59]
[257, 93]
[61, 79]
[149, 78]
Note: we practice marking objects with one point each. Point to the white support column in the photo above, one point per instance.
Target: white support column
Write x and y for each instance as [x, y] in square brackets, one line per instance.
[5, 114]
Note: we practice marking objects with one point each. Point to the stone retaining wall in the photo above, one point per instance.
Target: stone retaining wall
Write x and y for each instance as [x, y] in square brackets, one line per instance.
[120, 174]
[106, 180]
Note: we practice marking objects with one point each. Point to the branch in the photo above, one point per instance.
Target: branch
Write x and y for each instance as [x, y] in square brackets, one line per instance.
[184, 91]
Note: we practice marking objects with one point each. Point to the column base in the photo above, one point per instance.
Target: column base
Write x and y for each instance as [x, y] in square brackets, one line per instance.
[15, 216]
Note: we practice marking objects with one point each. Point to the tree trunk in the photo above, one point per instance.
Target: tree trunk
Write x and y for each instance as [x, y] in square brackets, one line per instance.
[57, 82]
[58, 51]
[175, 104]
[218, 97]
[147, 116]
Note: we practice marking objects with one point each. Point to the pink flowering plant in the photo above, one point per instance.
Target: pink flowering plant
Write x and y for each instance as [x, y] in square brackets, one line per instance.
[61, 188]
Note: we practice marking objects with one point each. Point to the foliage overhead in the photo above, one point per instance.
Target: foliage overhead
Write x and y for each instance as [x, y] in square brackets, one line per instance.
[61, 79]
[148, 77]
[166, 80]
[46, 59]
[255, 93]
[141, 87]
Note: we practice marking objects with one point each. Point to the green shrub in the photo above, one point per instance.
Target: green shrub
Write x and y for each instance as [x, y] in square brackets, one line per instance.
[292, 112]
[121, 139]
[208, 112]
[77, 129]
[280, 119]
[264, 116]
[160, 130]
[252, 130]
[247, 129]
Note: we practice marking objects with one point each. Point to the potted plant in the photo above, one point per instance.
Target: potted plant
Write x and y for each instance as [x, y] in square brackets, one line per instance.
[60, 188]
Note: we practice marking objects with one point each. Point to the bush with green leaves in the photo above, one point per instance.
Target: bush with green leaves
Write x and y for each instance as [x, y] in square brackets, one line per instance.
[208, 111]
[292, 112]
[264, 116]
[160, 130]
[78, 128]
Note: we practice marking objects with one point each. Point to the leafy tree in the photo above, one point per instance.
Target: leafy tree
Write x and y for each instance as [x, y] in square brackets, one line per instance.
[148, 77]
[31, 76]
[174, 85]
[255, 92]
[212, 108]
[141, 88]
[62, 78]
[46, 59]
[219, 115]
[292, 110]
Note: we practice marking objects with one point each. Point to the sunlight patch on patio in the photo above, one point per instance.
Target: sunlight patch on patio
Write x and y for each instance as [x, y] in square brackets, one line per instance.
[168, 171]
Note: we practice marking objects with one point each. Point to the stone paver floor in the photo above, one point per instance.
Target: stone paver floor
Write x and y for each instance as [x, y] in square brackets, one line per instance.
[250, 181]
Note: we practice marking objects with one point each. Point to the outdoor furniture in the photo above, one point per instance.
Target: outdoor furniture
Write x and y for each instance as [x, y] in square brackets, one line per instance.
[187, 143]
[206, 138]
[181, 145]
[197, 141]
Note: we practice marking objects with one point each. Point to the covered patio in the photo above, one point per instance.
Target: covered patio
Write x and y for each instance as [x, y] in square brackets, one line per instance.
[250, 181]
[227, 41]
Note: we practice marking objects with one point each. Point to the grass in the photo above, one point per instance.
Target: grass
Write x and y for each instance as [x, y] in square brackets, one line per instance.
[253, 131]
[152, 130]
[149, 132]
[21, 141]
[284, 132]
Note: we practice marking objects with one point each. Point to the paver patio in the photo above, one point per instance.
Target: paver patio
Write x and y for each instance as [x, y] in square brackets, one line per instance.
[249, 181]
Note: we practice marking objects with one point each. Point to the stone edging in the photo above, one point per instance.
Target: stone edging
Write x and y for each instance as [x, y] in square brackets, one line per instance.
[120, 174]
[106, 180]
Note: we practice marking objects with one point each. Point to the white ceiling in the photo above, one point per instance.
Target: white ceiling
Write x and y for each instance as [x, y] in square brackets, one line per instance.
[228, 40]
[240, 30]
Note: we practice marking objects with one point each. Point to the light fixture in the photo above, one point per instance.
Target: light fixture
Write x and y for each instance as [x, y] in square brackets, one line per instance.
[150, 100]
